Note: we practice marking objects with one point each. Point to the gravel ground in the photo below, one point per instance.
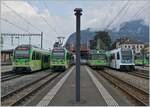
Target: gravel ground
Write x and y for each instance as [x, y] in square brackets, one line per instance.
[141, 68]
[138, 82]
[7, 86]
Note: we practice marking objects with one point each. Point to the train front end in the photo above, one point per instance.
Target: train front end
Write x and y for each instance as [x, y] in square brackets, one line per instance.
[21, 59]
[58, 60]
[97, 59]
[127, 60]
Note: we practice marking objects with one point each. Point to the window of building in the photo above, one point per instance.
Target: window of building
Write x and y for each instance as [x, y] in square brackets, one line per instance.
[125, 46]
[141, 46]
[128, 46]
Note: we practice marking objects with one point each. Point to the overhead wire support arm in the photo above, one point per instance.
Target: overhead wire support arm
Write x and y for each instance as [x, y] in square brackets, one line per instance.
[22, 35]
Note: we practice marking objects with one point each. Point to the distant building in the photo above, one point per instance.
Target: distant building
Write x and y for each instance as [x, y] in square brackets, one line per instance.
[126, 42]
[6, 57]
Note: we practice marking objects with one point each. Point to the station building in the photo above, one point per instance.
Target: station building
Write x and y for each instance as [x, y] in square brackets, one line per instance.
[128, 43]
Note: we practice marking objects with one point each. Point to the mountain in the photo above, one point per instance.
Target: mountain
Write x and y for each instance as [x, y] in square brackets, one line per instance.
[86, 35]
[136, 30]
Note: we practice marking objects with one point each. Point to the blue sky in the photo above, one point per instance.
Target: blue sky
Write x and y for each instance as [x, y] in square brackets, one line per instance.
[59, 14]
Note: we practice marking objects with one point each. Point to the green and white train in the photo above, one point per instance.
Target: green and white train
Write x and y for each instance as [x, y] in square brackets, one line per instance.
[141, 60]
[97, 59]
[28, 58]
[61, 59]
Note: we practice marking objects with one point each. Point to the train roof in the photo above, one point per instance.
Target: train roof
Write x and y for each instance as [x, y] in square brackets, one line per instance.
[33, 47]
[59, 49]
[118, 49]
[26, 46]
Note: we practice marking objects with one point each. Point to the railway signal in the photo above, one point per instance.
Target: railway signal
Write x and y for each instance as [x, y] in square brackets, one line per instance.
[78, 14]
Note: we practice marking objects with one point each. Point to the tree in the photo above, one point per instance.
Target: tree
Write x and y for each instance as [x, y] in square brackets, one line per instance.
[104, 39]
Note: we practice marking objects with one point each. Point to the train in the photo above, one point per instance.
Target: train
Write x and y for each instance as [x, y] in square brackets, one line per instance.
[121, 59]
[140, 60]
[97, 59]
[61, 59]
[29, 58]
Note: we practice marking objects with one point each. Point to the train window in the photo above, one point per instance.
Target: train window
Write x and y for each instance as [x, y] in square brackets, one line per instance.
[118, 56]
[33, 56]
[112, 56]
[45, 58]
[38, 56]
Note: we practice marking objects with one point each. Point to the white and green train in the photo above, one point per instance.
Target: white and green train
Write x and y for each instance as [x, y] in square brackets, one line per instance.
[61, 59]
[28, 58]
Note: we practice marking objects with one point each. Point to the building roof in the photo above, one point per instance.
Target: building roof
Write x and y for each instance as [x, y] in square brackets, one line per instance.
[126, 40]
[7, 51]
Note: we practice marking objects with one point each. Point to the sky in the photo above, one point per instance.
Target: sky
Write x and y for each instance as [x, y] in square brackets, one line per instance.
[56, 17]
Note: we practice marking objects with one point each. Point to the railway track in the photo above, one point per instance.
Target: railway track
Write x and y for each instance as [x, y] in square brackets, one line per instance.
[16, 96]
[9, 77]
[137, 94]
[140, 74]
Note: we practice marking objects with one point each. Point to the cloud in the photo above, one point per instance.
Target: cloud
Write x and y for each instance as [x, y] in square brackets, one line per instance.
[100, 17]
[36, 18]
[60, 16]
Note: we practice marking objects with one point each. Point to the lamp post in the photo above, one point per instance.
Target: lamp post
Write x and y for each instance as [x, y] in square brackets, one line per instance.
[78, 14]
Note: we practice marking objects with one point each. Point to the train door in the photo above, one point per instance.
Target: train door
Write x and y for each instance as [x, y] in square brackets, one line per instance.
[112, 60]
[118, 60]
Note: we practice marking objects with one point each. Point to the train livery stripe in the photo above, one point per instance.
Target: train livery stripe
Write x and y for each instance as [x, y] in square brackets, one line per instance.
[108, 98]
[50, 95]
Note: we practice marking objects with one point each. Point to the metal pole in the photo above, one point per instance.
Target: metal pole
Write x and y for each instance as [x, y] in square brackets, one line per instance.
[78, 14]
[41, 40]
[29, 40]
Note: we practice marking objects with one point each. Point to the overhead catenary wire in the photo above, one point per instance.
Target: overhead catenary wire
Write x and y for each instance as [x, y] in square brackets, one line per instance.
[140, 10]
[44, 19]
[118, 14]
[22, 17]
[7, 21]
[53, 18]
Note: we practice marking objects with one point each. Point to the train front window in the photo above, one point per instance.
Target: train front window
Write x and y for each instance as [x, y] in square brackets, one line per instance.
[58, 55]
[98, 56]
[126, 55]
[22, 54]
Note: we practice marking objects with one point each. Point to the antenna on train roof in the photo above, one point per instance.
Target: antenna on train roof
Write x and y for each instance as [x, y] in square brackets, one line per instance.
[60, 40]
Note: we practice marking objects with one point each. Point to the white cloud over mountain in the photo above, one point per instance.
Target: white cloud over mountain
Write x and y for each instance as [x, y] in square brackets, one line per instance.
[96, 15]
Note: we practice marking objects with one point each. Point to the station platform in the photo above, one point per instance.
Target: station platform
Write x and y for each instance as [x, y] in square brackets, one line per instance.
[95, 91]
[6, 68]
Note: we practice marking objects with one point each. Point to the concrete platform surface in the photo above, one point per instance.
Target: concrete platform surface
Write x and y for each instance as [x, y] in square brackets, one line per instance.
[6, 68]
[93, 91]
